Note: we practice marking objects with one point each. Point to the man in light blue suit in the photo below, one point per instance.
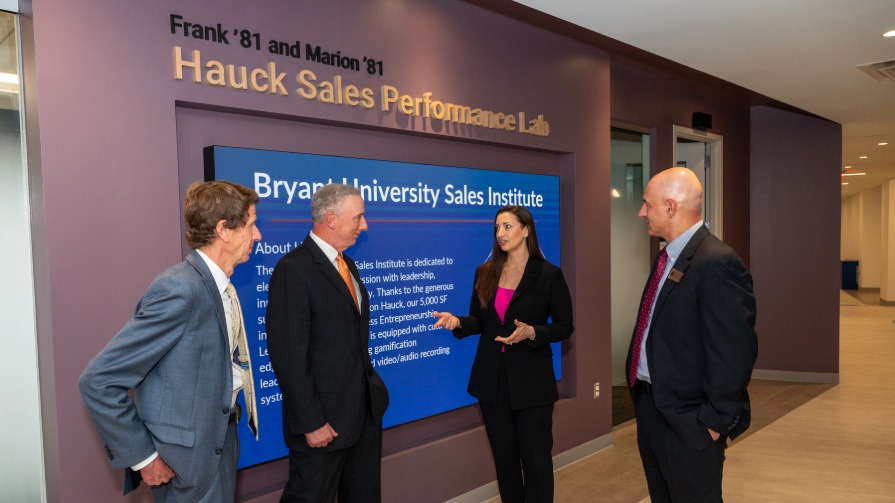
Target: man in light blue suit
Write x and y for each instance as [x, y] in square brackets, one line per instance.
[178, 433]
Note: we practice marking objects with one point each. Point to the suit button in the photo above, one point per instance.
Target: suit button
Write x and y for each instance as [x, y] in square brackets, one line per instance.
[226, 410]
[218, 451]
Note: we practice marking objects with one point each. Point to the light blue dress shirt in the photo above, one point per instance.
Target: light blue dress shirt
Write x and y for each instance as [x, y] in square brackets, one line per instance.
[673, 249]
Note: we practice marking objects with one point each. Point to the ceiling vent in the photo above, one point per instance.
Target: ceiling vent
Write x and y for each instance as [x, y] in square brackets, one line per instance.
[884, 70]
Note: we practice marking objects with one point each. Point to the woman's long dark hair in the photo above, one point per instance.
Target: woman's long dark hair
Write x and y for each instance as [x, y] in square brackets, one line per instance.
[488, 274]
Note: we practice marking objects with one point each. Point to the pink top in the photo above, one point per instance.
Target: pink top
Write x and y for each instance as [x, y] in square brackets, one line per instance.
[502, 300]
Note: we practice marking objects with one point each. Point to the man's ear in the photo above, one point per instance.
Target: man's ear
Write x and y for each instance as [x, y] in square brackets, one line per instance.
[330, 219]
[670, 207]
[222, 231]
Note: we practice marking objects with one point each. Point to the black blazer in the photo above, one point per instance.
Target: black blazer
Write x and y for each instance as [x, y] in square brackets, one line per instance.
[317, 342]
[542, 293]
[702, 345]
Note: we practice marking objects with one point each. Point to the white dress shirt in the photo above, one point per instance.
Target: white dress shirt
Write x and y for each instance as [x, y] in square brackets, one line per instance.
[331, 254]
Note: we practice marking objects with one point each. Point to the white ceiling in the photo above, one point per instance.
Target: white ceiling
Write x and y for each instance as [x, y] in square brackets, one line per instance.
[800, 52]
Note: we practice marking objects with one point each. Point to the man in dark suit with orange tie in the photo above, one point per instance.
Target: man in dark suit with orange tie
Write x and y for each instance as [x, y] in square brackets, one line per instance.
[693, 348]
[318, 324]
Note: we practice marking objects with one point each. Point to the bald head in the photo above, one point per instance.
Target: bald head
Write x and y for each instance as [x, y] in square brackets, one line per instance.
[672, 203]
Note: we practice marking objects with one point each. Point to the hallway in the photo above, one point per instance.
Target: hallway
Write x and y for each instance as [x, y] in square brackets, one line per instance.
[808, 442]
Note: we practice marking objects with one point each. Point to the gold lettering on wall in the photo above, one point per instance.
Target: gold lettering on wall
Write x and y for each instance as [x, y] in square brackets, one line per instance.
[337, 91]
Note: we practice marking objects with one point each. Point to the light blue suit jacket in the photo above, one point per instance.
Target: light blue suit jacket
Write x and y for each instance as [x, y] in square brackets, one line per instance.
[174, 353]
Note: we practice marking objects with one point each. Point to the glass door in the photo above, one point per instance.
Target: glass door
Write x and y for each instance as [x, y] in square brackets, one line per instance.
[630, 257]
[22, 472]
[701, 152]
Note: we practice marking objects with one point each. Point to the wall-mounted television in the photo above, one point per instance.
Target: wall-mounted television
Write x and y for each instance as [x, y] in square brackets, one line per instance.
[429, 228]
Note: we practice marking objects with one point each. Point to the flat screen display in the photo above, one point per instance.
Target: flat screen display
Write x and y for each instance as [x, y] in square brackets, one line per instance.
[429, 228]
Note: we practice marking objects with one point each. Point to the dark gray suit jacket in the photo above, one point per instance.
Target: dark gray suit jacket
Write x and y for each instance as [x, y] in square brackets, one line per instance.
[702, 345]
[174, 353]
[317, 341]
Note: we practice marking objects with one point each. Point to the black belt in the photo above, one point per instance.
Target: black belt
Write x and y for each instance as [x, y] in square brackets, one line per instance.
[643, 386]
[234, 415]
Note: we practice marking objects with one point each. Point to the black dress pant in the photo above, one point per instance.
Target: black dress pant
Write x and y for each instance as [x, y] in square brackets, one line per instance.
[521, 443]
[674, 472]
[354, 473]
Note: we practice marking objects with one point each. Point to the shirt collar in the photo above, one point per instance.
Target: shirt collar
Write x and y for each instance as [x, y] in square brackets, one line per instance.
[330, 252]
[676, 246]
[220, 279]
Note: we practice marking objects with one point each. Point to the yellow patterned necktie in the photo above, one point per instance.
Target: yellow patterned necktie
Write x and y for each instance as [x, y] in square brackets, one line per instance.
[346, 277]
[241, 357]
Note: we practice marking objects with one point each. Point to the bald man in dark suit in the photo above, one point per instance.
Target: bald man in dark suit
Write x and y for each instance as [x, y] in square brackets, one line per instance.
[694, 348]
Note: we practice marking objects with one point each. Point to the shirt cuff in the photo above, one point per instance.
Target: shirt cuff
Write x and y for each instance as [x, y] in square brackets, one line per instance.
[139, 466]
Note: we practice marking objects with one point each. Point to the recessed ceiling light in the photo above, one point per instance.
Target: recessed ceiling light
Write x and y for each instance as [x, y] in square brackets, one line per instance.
[847, 167]
[844, 183]
[883, 143]
[889, 33]
[853, 174]
[863, 157]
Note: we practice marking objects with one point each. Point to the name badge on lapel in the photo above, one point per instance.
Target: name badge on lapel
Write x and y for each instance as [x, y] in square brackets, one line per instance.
[676, 275]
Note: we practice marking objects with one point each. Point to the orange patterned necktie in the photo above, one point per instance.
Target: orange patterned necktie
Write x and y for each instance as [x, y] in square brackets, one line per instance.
[346, 277]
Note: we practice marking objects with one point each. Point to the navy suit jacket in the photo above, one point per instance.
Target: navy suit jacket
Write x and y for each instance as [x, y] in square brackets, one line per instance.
[174, 353]
[318, 343]
[542, 295]
[702, 345]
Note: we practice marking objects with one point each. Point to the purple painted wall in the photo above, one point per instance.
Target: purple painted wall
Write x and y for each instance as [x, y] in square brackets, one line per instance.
[672, 103]
[119, 136]
[114, 137]
[795, 181]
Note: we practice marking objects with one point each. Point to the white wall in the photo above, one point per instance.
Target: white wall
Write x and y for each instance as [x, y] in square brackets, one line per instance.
[850, 249]
[887, 237]
[871, 243]
[865, 235]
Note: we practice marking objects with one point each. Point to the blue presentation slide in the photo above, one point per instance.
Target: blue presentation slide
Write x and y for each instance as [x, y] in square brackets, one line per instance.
[429, 228]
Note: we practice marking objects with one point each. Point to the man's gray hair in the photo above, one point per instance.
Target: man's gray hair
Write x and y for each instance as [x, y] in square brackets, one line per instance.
[330, 198]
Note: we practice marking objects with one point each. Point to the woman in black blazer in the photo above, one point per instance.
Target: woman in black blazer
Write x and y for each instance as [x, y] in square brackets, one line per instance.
[520, 304]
